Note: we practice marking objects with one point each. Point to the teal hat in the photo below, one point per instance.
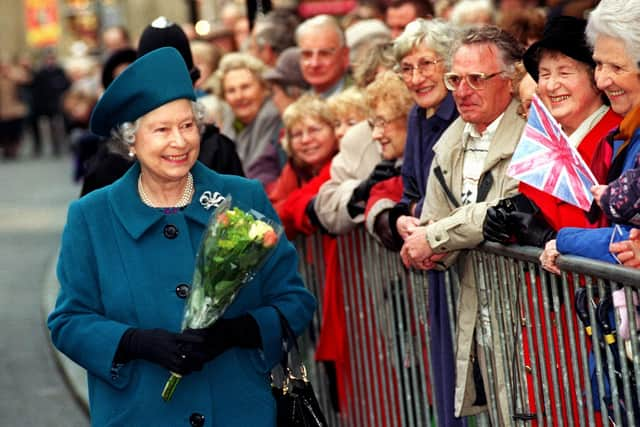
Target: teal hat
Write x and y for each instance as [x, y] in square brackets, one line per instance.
[159, 77]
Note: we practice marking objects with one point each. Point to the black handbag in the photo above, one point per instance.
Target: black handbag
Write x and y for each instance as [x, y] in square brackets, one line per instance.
[296, 402]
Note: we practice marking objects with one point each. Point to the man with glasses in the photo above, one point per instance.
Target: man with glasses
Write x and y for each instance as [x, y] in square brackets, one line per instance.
[468, 174]
[324, 55]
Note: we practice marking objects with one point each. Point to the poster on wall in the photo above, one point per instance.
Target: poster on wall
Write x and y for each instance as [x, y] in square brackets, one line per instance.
[42, 22]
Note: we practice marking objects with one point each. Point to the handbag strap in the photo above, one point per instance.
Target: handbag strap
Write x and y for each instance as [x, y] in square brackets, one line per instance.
[290, 347]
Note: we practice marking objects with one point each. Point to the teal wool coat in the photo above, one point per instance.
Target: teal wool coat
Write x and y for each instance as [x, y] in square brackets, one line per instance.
[120, 265]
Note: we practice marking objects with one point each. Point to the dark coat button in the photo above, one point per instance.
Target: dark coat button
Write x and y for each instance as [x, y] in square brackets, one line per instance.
[196, 419]
[182, 290]
[170, 231]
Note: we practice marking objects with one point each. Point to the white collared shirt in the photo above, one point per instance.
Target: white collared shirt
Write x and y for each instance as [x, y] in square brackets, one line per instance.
[476, 147]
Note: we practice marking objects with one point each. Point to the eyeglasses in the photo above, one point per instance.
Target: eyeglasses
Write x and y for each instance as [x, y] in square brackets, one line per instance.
[379, 122]
[477, 81]
[423, 67]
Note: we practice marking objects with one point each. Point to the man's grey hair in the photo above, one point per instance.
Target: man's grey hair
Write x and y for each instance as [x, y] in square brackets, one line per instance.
[124, 135]
[321, 21]
[509, 48]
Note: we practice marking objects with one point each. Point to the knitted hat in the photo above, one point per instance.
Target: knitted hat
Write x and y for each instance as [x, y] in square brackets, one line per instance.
[287, 70]
[164, 33]
[564, 34]
[151, 81]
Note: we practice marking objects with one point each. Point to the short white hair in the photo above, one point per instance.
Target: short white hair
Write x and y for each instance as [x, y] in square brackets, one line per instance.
[321, 21]
[123, 136]
[469, 8]
[618, 19]
[435, 34]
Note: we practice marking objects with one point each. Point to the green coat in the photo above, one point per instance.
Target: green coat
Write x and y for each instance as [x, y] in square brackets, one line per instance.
[119, 267]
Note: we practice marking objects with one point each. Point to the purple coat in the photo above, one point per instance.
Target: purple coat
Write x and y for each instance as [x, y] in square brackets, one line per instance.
[422, 134]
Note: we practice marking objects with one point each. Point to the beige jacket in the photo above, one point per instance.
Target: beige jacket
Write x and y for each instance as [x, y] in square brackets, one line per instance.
[456, 229]
[358, 155]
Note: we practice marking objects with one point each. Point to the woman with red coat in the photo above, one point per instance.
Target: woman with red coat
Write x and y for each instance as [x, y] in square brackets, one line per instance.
[311, 143]
[562, 65]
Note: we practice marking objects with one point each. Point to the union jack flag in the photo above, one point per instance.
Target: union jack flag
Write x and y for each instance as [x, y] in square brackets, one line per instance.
[545, 160]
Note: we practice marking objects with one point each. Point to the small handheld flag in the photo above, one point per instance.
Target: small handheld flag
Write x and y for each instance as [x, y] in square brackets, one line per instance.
[545, 160]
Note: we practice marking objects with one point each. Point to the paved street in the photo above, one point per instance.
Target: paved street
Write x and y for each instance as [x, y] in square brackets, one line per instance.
[34, 195]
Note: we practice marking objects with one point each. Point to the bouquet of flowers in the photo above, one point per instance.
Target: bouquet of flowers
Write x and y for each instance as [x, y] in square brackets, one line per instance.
[234, 246]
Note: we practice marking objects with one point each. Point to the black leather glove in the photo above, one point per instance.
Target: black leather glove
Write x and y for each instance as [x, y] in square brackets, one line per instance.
[530, 229]
[355, 208]
[495, 225]
[383, 230]
[240, 331]
[179, 353]
[518, 203]
[384, 170]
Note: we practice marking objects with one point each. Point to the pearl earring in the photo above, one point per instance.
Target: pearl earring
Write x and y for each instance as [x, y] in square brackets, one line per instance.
[131, 154]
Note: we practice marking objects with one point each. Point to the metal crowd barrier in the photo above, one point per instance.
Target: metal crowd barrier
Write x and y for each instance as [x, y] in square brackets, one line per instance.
[565, 359]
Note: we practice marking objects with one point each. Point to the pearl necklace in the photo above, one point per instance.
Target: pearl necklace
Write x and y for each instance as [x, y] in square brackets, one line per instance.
[187, 194]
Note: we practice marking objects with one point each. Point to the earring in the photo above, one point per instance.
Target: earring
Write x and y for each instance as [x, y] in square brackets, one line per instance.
[131, 154]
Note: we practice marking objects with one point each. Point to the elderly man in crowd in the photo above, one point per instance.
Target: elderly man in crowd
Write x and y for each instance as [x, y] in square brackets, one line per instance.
[324, 55]
[468, 174]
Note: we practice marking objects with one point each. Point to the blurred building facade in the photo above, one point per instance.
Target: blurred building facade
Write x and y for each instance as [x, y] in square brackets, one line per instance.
[31, 25]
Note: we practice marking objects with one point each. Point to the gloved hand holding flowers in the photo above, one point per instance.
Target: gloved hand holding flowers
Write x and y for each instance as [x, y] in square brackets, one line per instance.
[233, 248]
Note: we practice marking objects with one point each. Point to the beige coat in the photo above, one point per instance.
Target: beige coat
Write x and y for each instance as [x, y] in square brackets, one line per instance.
[458, 229]
[358, 155]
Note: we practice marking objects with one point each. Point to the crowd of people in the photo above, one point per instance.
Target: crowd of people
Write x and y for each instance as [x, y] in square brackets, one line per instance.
[402, 118]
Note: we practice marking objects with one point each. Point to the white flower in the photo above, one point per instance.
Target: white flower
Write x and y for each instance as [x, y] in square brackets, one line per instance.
[258, 229]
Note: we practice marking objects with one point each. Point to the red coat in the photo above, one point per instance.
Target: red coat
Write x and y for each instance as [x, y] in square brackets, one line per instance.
[561, 214]
[290, 196]
[384, 196]
[389, 190]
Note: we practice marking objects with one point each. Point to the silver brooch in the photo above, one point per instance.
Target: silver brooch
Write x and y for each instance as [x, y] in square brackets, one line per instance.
[208, 200]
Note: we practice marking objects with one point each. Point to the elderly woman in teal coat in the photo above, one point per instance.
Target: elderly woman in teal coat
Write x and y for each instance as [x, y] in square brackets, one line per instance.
[126, 260]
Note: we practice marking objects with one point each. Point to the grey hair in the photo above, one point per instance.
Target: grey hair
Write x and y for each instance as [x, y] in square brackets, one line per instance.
[276, 29]
[435, 34]
[237, 61]
[321, 21]
[466, 9]
[123, 136]
[617, 19]
[509, 48]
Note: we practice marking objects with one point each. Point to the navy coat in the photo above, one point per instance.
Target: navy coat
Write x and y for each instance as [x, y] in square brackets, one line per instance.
[119, 266]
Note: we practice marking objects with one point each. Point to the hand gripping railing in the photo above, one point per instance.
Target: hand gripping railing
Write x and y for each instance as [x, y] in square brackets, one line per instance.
[542, 363]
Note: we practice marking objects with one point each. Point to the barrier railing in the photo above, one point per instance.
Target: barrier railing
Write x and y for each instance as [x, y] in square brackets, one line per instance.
[558, 350]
